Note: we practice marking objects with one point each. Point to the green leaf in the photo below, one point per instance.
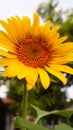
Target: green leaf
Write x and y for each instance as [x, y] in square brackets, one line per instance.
[63, 126]
[40, 113]
[22, 123]
[65, 113]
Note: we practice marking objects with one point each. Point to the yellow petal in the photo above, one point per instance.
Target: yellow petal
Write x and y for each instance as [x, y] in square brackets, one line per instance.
[26, 26]
[54, 30]
[52, 35]
[51, 41]
[3, 35]
[13, 23]
[55, 40]
[62, 60]
[5, 42]
[64, 48]
[47, 25]
[6, 61]
[19, 26]
[29, 73]
[56, 73]
[44, 31]
[35, 21]
[62, 39]
[13, 69]
[3, 61]
[63, 68]
[5, 45]
[29, 86]
[32, 76]
[23, 73]
[6, 54]
[35, 25]
[10, 30]
[45, 80]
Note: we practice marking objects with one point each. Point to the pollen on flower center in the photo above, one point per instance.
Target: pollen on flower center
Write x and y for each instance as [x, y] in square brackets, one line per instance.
[32, 52]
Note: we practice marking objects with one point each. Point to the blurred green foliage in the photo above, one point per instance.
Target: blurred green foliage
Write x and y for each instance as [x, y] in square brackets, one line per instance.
[47, 10]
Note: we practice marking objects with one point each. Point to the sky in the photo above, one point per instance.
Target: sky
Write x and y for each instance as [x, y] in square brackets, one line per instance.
[69, 93]
[27, 7]
[3, 91]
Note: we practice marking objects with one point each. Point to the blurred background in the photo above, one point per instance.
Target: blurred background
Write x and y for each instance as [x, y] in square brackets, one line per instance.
[57, 96]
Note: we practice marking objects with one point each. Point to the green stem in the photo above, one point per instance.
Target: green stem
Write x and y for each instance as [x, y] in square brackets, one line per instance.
[24, 101]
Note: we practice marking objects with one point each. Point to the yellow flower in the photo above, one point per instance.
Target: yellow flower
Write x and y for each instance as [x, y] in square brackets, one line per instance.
[31, 50]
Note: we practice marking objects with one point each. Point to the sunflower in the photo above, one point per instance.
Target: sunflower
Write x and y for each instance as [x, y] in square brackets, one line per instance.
[31, 50]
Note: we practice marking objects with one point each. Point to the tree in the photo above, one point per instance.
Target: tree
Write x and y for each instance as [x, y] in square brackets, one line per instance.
[67, 26]
[47, 11]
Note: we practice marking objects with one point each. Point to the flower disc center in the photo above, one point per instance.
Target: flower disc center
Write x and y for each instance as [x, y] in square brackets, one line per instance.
[31, 52]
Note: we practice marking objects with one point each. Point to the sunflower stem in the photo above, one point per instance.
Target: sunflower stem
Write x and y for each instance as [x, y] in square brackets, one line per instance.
[24, 101]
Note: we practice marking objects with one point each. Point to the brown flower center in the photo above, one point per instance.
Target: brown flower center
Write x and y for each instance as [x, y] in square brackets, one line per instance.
[32, 52]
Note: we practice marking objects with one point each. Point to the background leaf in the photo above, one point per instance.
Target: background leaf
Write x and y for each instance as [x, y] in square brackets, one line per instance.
[40, 113]
[63, 127]
[22, 123]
